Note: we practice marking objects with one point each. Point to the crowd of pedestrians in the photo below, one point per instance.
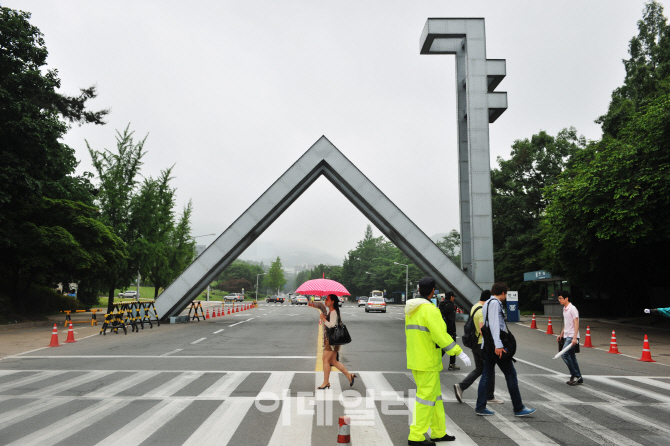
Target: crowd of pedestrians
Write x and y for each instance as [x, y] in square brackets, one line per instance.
[430, 332]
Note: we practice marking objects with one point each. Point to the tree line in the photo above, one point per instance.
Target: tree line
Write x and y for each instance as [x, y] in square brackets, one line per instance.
[57, 226]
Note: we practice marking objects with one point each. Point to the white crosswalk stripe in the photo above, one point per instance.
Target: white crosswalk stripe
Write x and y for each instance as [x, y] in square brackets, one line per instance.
[302, 415]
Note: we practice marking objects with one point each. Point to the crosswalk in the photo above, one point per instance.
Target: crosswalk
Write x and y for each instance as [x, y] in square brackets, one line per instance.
[132, 407]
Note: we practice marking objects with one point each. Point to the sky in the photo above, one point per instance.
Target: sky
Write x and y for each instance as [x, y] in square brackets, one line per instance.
[233, 92]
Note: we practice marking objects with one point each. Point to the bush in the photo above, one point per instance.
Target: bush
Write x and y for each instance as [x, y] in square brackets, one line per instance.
[45, 300]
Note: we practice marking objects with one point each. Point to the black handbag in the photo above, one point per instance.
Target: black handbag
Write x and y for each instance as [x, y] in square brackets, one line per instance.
[339, 335]
[561, 344]
[506, 337]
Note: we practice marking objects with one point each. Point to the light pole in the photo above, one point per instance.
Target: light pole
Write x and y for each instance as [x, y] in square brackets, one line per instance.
[406, 278]
[257, 275]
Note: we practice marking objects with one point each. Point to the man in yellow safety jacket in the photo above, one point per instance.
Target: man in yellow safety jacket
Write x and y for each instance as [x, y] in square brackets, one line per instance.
[426, 336]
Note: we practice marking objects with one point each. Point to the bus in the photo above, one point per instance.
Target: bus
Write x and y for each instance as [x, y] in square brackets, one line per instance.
[376, 293]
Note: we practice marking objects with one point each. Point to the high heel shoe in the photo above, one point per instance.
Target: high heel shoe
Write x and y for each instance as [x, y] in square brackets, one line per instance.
[353, 377]
[327, 386]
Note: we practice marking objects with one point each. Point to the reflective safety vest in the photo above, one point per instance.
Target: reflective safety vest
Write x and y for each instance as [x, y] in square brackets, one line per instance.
[426, 335]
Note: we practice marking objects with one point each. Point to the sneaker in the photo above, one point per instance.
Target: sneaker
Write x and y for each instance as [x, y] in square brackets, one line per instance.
[495, 401]
[524, 412]
[572, 379]
[458, 392]
[485, 413]
[420, 443]
[577, 382]
[446, 437]
[453, 367]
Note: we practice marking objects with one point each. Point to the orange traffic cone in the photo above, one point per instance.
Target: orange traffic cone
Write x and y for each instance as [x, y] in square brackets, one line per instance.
[646, 353]
[213, 313]
[550, 330]
[587, 342]
[207, 314]
[70, 335]
[533, 324]
[344, 431]
[54, 337]
[228, 310]
[219, 312]
[613, 347]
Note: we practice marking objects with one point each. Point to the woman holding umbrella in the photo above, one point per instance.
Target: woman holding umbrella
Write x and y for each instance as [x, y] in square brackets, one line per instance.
[332, 307]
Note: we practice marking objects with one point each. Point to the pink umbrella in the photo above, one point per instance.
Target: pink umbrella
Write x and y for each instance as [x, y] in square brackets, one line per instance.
[322, 287]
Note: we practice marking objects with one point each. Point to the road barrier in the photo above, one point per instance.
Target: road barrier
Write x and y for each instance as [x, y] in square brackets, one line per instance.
[195, 306]
[646, 352]
[68, 319]
[344, 431]
[550, 330]
[54, 337]
[132, 313]
[587, 342]
[70, 335]
[613, 347]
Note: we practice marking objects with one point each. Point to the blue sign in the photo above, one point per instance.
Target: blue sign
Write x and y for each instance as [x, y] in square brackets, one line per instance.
[512, 306]
[536, 275]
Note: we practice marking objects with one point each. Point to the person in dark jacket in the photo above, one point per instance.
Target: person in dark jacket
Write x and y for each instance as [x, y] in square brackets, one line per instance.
[448, 310]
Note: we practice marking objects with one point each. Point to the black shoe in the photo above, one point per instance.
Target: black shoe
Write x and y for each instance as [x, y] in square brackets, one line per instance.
[327, 386]
[420, 443]
[446, 437]
[576, 382]
[572, 380]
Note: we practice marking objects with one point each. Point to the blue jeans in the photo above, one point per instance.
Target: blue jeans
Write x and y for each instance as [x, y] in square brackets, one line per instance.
[570, 359]
[507, 367]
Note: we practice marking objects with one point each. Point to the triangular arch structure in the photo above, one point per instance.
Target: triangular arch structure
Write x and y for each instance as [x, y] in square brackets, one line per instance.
[323, 158]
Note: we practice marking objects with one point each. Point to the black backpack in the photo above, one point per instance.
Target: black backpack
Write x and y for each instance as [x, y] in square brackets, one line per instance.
[469, 338]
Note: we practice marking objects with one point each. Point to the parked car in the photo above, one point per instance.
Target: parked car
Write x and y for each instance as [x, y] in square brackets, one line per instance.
[234, 297]
[362, 300]
[128, 294]
[297, 299]
[375, 304]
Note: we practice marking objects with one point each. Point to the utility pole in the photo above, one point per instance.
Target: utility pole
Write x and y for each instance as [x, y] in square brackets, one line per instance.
[406, 278]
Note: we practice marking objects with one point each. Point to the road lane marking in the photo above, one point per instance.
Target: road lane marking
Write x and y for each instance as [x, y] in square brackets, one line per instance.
[214, 431]
[146, 424]
[174, 385]
[173, 351]
[218, 331]
[166, 357]
[62, 429]
[539, 366]
[116, 387]
[31, 379]
[199, 340]
[29, 410]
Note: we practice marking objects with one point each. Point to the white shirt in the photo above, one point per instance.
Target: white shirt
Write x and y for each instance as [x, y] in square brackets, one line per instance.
[331, 319]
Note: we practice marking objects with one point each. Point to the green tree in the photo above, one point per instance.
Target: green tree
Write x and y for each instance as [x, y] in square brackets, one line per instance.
[607, 225]
[451, 246]
[275, 276]
[647, 71]
[519, 201]
[118, 173]
[47, 229]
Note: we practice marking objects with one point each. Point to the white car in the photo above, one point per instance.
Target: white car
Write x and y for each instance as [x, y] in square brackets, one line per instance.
[234, 297]
[129, 294]
[299, 300]
[362, 301]
[375, 304]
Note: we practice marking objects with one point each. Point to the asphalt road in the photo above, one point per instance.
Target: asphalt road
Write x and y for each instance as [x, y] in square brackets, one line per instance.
[250, 379]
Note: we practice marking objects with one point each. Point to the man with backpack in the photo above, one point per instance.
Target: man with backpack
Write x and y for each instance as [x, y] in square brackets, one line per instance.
[498, 346]
[472, 338]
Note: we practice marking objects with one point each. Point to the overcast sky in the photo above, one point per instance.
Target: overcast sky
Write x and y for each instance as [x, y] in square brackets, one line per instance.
[233, 92]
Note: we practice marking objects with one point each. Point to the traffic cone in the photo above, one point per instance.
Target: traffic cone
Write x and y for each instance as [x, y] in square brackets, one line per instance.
[70, 335]
[613, 347]
[550, 330]
[213, 313]
[219, 312]
[54, 337]
[646, 353]
[207, 314]
[343, 433]
[228, 310]
[587, 342]
[533, 324]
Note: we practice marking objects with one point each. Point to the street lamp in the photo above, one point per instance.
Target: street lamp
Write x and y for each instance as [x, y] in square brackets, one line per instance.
[406, 279]
[257, 275]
